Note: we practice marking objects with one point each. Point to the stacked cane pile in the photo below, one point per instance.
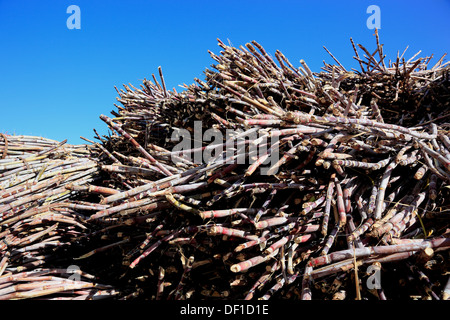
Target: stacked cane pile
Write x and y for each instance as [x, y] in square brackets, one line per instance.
[40, 218]
[270, 181]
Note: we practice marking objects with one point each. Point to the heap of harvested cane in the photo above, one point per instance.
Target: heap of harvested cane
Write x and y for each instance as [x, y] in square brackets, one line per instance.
[39, 220]
[330, 185]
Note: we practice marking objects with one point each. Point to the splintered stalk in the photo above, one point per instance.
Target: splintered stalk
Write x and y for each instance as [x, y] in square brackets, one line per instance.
[153, 247]
[265, 205]
[181, 284]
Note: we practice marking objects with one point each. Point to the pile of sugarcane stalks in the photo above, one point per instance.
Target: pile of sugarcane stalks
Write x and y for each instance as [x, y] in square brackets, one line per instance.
[269, 181]
[39, 218]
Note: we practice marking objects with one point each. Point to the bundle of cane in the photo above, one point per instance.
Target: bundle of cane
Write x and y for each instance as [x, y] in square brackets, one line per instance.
[310, 176]
[303, 166]
[39, 215]
[53, 284]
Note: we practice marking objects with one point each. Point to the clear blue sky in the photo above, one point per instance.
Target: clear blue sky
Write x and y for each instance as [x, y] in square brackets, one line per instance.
[55, 82]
